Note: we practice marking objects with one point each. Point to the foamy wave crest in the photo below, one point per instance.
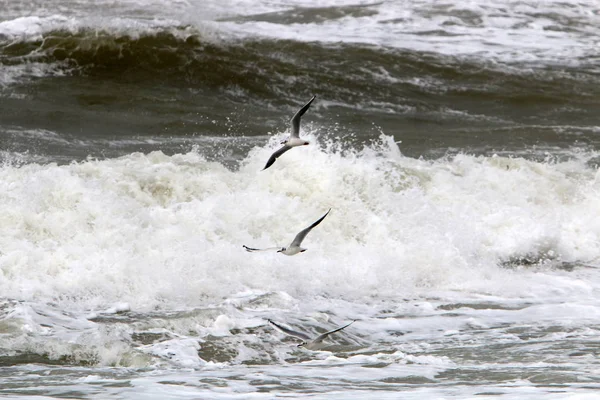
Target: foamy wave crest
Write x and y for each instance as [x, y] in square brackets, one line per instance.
[53, 45]
[550, 33]
[34, 27]
[159, 231]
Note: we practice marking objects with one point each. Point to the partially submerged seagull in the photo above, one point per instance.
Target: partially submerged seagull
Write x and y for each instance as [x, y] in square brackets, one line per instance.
[294, 139]
[307, 342]
[294, 247]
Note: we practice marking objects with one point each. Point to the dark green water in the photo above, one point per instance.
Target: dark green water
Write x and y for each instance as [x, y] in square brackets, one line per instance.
[110, 94]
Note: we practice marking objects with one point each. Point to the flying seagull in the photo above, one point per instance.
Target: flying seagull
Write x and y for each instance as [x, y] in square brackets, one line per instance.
[294, 247]
[294, 139]
[307, 342]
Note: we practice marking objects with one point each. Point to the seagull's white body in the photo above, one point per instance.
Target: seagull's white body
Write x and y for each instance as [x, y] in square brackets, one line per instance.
[294, 247]
[308, 342]
[295, 142]
[292, 250]
[294, 139]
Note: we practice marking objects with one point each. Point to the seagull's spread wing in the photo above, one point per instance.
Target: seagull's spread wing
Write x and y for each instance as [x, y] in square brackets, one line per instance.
[250, 249]
[289, 332]
[296, 118]
[320, 338]
[300, 236]
[276, 155]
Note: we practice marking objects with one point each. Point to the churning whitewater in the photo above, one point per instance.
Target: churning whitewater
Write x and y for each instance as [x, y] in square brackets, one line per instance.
[161, 232]
[156, 231]
[136, 261]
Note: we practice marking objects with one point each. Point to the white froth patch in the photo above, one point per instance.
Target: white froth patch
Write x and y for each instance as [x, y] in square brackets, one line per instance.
[10, 74]
[223, 325]
[378, 359]
[158, 231]
[180, 352]
[57, 335]
[34, 28]
[117, 308]
[30, 26]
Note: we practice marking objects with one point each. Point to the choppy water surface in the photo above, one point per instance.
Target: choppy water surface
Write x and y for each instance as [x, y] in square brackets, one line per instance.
[456, 144]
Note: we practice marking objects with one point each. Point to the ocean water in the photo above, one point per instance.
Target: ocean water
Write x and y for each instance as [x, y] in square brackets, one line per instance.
[455, 142]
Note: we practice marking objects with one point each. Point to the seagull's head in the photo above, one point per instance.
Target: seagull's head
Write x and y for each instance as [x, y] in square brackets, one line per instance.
[281, 250]
[302, 344]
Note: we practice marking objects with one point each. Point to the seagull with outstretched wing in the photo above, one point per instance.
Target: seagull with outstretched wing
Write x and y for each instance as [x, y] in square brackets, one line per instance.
[294, 247]
[307, 341]
[294, 139]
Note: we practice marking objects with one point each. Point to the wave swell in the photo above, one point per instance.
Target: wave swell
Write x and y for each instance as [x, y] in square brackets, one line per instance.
[271, 69]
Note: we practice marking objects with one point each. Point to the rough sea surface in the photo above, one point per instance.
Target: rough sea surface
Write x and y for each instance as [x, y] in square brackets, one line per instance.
[456, 143]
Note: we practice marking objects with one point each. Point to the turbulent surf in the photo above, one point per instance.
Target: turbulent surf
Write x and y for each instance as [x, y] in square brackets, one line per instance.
[456, 145]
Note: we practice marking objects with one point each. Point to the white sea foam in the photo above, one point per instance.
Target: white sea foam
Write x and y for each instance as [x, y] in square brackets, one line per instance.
[181, 352]
[33, 27]
[137, 261]
[151, 229]
[10, 74]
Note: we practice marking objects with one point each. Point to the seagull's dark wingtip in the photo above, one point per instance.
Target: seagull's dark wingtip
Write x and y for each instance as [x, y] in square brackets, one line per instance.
[268, 165]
